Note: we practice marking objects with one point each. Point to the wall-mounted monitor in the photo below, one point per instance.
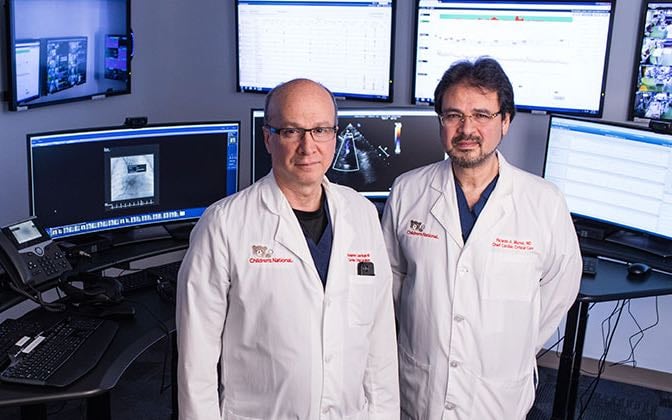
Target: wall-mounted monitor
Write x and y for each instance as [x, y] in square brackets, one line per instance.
[92, 180]
[63, 50]
[554, 52]
[373, 147]
[345, 45]
[613, 173]
[652, 85]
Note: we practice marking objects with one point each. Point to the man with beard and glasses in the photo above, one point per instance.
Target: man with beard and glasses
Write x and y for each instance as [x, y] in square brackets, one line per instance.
[485, 261]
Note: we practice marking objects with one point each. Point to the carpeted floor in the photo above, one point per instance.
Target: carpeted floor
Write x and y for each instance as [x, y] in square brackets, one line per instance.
[139, 395]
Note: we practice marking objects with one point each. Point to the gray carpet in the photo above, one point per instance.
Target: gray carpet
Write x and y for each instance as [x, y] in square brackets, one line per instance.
[139, 396]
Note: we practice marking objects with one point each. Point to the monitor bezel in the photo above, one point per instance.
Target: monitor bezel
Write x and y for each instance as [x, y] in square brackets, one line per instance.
[140, 226]
[526, 108]
[338, 95]
[10, 41]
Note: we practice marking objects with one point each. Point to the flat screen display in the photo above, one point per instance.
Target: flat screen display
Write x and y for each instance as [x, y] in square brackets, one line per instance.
[373, 147]
[652, 97]
[91, 180]
[345, 45]
[67, 50]
[555, 53]
[613, 173]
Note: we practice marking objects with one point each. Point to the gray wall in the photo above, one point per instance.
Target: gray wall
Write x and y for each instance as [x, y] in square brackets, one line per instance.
[184, 69]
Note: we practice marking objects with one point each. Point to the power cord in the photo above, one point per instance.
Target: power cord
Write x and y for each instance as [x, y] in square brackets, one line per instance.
[640, 336]
[601, 364]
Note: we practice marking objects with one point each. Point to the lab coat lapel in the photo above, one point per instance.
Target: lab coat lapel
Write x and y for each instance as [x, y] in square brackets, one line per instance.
[499, 204]
[445, 207]
[342, 220]
[288, 232]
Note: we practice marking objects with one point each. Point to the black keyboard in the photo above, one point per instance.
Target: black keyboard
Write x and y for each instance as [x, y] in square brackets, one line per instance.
[12, 330]
[136, 280]
[61, 354]
[149, 277]
[594, 247]
[166, 272]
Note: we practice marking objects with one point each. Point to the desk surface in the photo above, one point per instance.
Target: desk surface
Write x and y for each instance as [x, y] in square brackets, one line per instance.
[154, 319]
[613, 283]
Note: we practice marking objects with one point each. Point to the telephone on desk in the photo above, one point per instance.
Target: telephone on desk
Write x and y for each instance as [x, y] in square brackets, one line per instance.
[29, 256]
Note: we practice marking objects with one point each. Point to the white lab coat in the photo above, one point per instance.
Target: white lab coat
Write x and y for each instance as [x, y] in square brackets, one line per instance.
[472, 316]
[249, 296]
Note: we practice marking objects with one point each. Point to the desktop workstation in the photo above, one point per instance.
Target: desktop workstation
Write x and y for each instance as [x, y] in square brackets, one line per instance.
[119, 208]
[147, 87]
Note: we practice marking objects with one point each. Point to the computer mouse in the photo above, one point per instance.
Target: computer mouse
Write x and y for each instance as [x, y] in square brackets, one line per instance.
[638, 269]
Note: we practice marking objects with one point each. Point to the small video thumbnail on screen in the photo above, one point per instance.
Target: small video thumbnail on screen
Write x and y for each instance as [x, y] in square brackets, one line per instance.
[65, 63]
[653, 98]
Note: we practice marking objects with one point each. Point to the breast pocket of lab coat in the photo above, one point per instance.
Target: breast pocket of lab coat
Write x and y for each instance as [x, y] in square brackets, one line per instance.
[361, 300]
[511, 276]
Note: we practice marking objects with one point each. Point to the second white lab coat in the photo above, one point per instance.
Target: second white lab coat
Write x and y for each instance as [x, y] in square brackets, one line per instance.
[249, 296]
[472, 316]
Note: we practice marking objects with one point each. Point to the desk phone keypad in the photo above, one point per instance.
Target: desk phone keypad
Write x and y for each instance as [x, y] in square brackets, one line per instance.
[49, 261]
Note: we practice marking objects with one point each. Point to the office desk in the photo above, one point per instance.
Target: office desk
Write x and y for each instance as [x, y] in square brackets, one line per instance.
[154, 319]
[610, 283]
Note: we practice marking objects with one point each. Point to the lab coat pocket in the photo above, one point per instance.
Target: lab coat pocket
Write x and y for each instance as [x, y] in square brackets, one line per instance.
[511, 276]
[362, 414]
[413, 386]
[503, 399]
[361, 300]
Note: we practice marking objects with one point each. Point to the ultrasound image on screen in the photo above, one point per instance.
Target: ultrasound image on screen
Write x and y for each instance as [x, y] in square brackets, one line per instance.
[132, 177]
[373, 147]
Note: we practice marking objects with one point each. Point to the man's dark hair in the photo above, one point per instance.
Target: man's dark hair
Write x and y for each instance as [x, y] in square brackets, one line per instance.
[484, 73]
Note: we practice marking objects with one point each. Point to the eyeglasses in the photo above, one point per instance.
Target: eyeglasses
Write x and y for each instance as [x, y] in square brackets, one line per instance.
[296, 134]
[451, 119]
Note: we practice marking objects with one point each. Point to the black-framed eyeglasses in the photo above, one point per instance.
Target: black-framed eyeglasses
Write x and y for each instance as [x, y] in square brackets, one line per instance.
[296, 134]
[451, 119]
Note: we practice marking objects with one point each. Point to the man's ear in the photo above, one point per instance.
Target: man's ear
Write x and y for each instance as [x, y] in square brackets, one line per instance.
[267, 137]
[506, 123]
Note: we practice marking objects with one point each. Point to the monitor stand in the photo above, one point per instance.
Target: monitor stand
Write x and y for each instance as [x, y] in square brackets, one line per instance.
[135, 235]
[651, 244]
[179, 230]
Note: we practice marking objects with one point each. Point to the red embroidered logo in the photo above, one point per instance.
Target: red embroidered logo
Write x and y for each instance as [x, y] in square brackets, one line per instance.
[418, 229]
[514, 244]
[263, 254]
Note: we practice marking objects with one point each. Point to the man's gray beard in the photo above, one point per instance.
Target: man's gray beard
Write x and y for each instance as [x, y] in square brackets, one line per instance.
[470, 163]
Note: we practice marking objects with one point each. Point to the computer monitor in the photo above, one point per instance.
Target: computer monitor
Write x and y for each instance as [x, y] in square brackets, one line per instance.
[62, 51]
[116, 57]
[345, 45]
[373, 147]
[614, 174]
[92, 180]
[652, 84]
[554, 52]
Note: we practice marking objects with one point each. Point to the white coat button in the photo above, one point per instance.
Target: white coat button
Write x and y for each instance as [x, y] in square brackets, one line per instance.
[464, 270]
[450, 406]
[327, 358]
[458, 318]
[327, 302]
[325, 410]
[454, 364]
